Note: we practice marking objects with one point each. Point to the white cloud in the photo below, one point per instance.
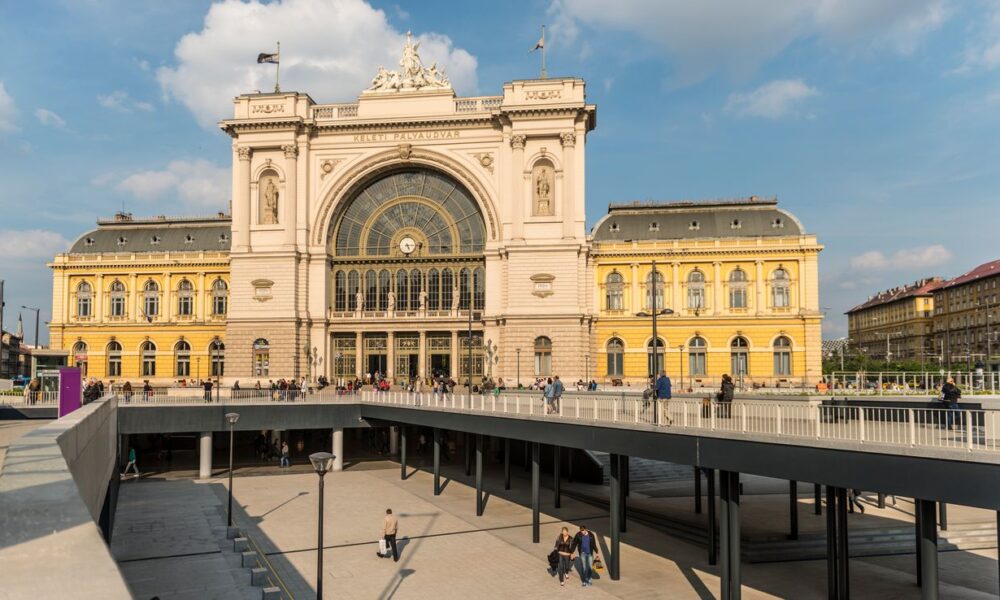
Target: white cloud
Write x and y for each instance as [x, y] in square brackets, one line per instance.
[736, 37]
[47, 117]
[909, 258]
[772, 100]
[122, 102]
[983, 47]
[331, 50]
[31, 243]
[198, 185]
[8, 111]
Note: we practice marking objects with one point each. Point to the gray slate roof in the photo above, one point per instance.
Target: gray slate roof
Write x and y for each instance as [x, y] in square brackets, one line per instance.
[691, 220]
[211, 234]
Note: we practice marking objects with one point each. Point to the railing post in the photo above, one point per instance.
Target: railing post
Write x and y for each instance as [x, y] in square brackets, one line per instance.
[593, 405]
[861, 424]
[698, 415]
[577, 407]
[910, 417]
[684, 419]
[560, 407]
[505, 404]
[531, 407]
[778, 423]
[614, 410]
[636, 411]
[968, 430]
[494, 404]
[819, 420]
[743, 417]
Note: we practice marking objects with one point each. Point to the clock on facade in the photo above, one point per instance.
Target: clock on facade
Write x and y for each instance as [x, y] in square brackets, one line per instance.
[407, 245]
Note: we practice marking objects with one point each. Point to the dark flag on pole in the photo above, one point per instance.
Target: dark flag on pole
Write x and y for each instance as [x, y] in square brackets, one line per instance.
[264, 57]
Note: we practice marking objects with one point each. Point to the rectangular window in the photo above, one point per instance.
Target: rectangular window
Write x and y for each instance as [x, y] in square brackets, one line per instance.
[184, 306]
[616, 364]
[114, 366]
[148, 366]
[782, 363]
[696, 363]
[261, 363]
[543, 363]
[738, 298]
[183, 366]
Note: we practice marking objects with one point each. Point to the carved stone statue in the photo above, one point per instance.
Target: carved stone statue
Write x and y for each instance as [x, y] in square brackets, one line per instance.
[392, 301]
[413, 75]
[422, 299]
[543, 190]
[269, 208]
[359, 300]
[454, 298]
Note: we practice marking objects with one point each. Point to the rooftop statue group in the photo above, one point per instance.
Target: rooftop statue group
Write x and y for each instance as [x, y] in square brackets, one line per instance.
[413, 75]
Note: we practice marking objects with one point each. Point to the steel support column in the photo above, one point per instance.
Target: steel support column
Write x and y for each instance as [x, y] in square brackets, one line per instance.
[832, 570]
[697, 490]
[729, 500]
[479, 475]
[713, 545]
[917, 513]
[623, 506]
[818, 499]
[615, 491]
[535, 459]
[928, 550]
[468, 455]
[506, 463]
[881, 499]
[402, 452]
[793, 510]
[943, 516]
[843, 574]
[437, 462]
[556, 475]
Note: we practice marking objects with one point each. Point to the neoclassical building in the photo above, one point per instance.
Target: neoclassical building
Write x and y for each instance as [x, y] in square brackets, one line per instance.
[411, 233]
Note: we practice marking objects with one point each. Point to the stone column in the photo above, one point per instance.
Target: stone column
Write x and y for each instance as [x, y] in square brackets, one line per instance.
[717, 288]
[338, 449]
[200, 297]
[390, 355]
[241, 202]
[517, 173]
[454, 356]
[758, 286]
[422, 356]
[675, 287]
[359, 356]
[569, 189]
[205, 455]
[636, 300]
[99, 299]
[291, 192]
[166, 300]
[393, 440]
[800, 283]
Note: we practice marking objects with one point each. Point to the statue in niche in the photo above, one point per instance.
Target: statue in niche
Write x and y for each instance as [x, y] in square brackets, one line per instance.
[423, 300]
[392, 301]
[269, 202]
[454, 298]
[543, 192]
[359, 300]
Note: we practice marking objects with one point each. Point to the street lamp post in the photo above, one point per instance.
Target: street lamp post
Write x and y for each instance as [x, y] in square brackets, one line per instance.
[654, 363]
[322, 462]
[232, 418]
[217, 368]
[37, 310]
[680, 363]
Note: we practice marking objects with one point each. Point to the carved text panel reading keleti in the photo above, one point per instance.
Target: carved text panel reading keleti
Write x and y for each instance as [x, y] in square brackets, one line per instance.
[403, 136]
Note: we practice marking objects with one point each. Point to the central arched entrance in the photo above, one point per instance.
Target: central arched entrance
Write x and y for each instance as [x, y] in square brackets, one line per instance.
[407, 270]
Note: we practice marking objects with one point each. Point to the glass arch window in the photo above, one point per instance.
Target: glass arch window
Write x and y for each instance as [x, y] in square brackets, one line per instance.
[117, 296]
[220, 297]
[782, 356]
[616, 357]
[739, 356]
[614, 291]
[441, 210]
[147, 353]
[780, 288]
[113, 353]
[433, 290]
[479, 288]
[464, 293]
[738, 288]
[84, 300]
[182, 359]
[696, 290]
[655, 368]
[415, 287]
[340, 291]
[185, 298]
[543, 356]
[402, 290]
[371, 290]
[659, 285]
[697, 356]
[353, 287]
[384, 285]
[80, 357]
[261, 357]
[447, 289]
[151, 299]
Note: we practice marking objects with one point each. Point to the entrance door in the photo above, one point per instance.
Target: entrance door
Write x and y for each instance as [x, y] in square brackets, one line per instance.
[406, 365]
[376, 364]
[441, 365]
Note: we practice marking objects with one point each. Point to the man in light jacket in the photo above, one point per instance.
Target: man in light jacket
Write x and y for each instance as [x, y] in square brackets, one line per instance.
[389, 526]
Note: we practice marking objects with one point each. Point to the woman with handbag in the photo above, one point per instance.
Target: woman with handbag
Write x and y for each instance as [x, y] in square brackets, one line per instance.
[564, 546]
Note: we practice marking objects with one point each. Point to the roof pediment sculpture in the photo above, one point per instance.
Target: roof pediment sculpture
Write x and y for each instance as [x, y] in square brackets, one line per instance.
[412, 74]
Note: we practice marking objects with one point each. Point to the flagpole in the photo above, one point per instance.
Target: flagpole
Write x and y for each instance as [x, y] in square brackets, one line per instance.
[544, 74]
[277, 71]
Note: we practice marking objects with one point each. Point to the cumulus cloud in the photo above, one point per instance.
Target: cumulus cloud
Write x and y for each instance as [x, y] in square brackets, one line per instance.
[736, 37]
[908, 258]
[198, 185]
[983, 46]
[8, 111]
[772, 100]
[31, 243]
[120, 101]
[331, 50]
[49, 118]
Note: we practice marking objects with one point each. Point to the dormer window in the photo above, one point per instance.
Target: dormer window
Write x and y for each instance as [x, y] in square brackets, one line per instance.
[694, 226]
[614, 228]
[223, 238]
[122, 240]
[189, 239]
[155, 240]
[654, 226]
[88, 242]
[777, 223]
[736, 224]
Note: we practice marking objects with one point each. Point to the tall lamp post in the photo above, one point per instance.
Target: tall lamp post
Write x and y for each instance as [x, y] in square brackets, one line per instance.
[680, 365]
[322, 462]
[654, 312]
[37, 310]
[232, 418]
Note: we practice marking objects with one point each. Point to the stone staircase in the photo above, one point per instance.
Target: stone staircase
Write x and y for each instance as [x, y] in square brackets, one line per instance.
[251, 574]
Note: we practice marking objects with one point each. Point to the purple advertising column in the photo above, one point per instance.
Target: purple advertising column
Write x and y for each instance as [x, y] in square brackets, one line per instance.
[70, 390]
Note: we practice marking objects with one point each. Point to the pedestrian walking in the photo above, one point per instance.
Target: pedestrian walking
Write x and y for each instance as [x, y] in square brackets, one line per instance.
[585, 544]
[127, 391]
[557, 393]
[564, 548]
[131, 463]
[663, 394]
[549, 394]
[724, 397]
[950, 395]
[285, 456]
[853, 499]
[389, 526]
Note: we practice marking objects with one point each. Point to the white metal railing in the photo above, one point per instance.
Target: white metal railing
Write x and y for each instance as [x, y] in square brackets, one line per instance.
[910, 383]
[49, 398]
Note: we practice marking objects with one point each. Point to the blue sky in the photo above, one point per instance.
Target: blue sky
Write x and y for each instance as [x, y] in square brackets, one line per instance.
[875, 121]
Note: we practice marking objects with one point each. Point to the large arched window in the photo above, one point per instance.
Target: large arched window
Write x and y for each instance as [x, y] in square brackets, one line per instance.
[738, 288]
[655, 366]
[614, 291]
[782, 356]
[616, 357]
[415, 287]
[447, 289]
[113, 353]
[543, 356]
[696, 290]
[261, 358]
[739, 356]
[217, 356]
[780, 288]
[464, 291]
[697, 356]
[220, 298]
[340, 292]
[80, 357]
[117, 296]
[402, 290]
[433, 290]
[182, 359]
[384, 285]
[84, 300]
[185, 298]
[353, 287]
[371, 290]
[658, 285]
[479, 288]
[147, 354]
[151, 300]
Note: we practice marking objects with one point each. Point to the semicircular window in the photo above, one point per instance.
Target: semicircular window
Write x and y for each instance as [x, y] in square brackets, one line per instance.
[435, 211]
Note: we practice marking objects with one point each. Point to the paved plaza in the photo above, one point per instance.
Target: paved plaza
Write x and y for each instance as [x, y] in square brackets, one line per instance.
[448, 552]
